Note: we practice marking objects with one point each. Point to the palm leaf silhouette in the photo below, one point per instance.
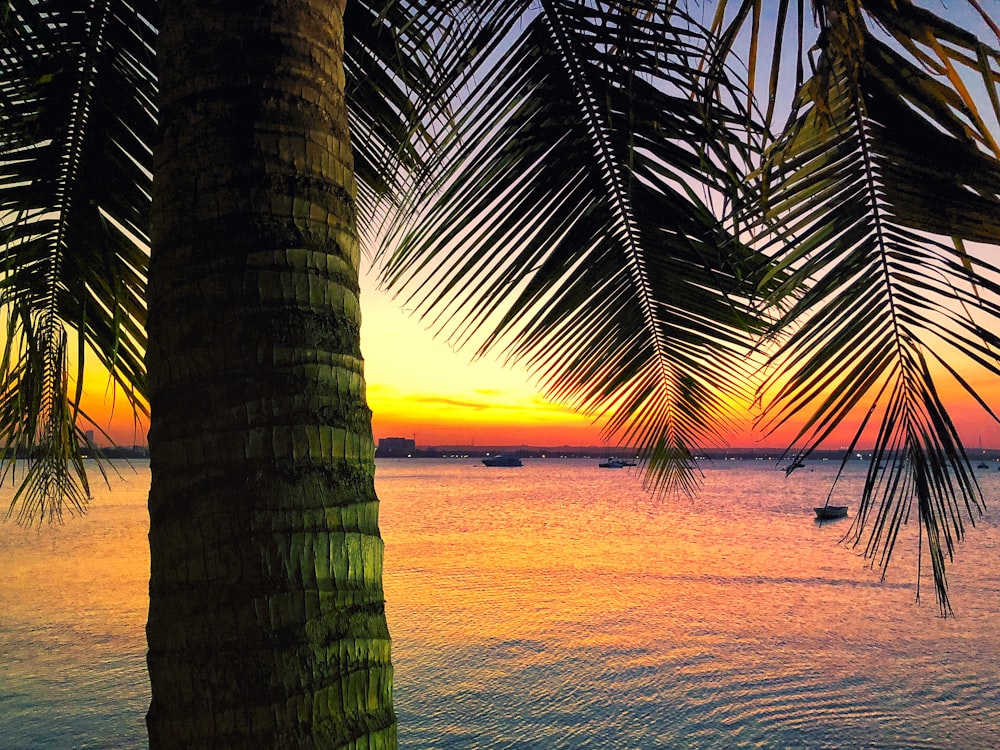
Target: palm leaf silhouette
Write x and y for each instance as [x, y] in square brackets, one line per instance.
[577, 221]
[76, 91]
[880, 159]
[77, 102]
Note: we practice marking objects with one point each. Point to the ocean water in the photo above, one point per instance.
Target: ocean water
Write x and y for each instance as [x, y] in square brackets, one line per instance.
[559, 606]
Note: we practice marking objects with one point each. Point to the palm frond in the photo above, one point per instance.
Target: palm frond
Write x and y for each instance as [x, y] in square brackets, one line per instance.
[875, 295]
[76, 106]
[578, 224]
[406, 63]
[41, 422]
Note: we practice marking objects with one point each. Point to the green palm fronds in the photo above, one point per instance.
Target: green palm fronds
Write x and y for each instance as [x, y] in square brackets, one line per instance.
[77, 106]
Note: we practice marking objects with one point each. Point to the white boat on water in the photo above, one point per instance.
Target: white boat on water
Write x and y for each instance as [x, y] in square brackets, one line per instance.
[503, 459]
[615, 463]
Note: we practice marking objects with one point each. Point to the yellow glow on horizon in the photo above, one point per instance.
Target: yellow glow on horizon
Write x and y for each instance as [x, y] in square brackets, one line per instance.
[481, 417]
[109, 408]
[419, 386]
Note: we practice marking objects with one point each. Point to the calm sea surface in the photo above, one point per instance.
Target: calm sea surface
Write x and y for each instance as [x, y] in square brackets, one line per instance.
[558, 606]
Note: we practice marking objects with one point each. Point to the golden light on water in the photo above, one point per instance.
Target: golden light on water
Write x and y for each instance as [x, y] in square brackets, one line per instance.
[731, 616]
[558, 605]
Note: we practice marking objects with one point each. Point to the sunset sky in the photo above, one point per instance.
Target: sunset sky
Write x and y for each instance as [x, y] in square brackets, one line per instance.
[420, 388]
[417, 385]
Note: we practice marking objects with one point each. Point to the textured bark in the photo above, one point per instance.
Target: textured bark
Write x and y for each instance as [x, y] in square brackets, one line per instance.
[266, 621]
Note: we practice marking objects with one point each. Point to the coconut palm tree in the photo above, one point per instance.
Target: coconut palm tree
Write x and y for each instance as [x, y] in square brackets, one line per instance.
[590, 184]
[265, 550]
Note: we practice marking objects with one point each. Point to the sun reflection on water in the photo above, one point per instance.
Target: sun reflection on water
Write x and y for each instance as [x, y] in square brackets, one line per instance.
[581, 613]
[559, 606]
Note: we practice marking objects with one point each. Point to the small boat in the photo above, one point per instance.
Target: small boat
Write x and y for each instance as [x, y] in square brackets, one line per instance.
[503, 459]
[831, 511]
[616, 463]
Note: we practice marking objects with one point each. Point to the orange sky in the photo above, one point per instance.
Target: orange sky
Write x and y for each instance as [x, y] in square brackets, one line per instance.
[418, 387]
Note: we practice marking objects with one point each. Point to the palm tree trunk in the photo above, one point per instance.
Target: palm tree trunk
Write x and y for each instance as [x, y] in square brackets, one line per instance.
[266, 620]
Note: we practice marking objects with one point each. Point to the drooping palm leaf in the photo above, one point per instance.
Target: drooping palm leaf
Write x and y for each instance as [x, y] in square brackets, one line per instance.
[578, 225]
[880, 154]
[76, 107]
[405, 62]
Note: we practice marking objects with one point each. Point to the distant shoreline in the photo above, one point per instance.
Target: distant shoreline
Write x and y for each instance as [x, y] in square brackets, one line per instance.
[975, 454]
[711, 454]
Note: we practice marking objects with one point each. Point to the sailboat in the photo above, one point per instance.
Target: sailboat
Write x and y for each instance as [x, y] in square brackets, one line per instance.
[982, 456]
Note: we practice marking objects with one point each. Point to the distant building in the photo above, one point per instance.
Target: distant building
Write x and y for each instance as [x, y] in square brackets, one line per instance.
[395, 447]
